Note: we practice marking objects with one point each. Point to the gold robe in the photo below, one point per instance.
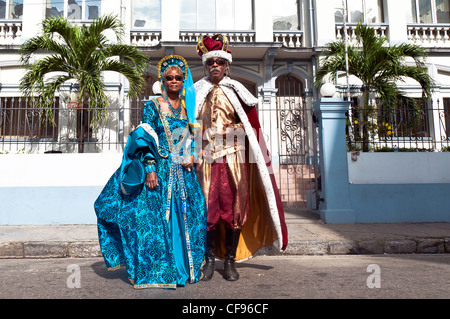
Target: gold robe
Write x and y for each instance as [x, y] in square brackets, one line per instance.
[217, 112]
[257, 227]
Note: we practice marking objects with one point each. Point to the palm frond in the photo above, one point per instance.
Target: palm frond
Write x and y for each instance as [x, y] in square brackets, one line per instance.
[108, 22]
[38, 44]
[135, 79]
[80, 54]
[132, 53]
[376, 63]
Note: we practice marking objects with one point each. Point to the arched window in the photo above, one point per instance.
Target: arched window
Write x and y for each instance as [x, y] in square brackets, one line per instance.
[289, 86]
[291, 119]
[295, 174]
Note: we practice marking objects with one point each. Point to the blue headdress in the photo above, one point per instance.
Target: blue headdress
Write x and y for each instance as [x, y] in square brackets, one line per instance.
[187, 92]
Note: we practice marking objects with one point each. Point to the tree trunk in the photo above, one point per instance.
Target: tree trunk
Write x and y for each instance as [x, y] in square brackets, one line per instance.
[365, 119]
[82, 126]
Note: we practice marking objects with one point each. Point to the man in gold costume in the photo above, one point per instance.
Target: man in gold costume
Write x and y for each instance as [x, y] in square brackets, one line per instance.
[243, 203]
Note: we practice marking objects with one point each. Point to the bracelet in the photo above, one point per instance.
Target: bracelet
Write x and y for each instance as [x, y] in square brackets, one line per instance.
[150, 168]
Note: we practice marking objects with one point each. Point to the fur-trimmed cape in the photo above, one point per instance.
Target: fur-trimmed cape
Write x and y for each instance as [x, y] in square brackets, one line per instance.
[266, 224]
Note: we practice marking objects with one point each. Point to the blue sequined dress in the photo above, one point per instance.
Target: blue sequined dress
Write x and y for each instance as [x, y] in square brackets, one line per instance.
[159, 235]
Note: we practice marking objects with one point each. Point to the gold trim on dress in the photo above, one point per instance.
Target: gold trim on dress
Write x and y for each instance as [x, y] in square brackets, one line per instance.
[170, 286]
[176, 169]
[170, 114]
[116, 267]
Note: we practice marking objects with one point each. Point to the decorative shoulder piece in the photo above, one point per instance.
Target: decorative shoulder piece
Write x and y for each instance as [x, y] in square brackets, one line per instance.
[150, 131]
[241, 90]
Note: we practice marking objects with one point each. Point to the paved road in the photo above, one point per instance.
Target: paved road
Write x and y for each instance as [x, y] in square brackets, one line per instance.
[285, 277]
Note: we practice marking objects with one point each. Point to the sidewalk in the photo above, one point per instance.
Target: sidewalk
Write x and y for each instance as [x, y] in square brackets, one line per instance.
[308, 235]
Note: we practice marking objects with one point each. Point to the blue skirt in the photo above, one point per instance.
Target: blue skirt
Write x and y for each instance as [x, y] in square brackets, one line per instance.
[158, 235]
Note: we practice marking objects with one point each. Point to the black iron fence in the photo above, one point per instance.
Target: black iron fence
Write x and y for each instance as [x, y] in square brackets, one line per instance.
[412, 125]
[24, 130]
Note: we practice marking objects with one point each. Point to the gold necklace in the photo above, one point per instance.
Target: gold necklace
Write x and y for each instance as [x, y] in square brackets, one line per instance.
[176, 112]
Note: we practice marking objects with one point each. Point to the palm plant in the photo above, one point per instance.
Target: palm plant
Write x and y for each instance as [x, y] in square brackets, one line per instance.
[378, 65]
[80, 54]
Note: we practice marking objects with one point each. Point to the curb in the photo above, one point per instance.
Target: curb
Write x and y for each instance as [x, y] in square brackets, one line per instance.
[90, 249]
[370, 247]
[52, 249]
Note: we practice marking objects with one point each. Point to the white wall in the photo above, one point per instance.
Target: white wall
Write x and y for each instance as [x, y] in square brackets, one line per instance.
[53, 170]
[399, 168]
[39, 189]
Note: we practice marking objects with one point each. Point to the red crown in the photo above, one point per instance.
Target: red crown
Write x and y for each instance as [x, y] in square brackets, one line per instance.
[215, 46]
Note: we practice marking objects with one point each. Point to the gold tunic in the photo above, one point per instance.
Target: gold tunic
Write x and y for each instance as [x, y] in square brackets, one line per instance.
[216, 113]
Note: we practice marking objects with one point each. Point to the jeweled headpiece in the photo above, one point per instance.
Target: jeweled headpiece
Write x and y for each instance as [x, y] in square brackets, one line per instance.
[187, 92]
[170, 61]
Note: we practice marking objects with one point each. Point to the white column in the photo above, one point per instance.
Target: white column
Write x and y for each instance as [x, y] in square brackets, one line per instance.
[325, 23]
[33, 14]
[396, 17]
[170, 20]
[124, 11]
[111, 7]
[263, 21]
[114, 7]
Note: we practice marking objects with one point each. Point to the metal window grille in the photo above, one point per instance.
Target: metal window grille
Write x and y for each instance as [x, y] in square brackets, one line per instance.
[409, 125]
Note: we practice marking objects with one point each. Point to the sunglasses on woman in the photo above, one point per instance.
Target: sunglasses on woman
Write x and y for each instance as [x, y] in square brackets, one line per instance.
[176, 77]
[220, 62]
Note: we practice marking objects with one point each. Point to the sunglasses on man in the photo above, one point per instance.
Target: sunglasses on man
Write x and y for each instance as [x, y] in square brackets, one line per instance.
[176, 77]
[219, 62]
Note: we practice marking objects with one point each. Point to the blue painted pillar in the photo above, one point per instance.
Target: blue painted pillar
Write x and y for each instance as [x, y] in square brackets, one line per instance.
[336, 207]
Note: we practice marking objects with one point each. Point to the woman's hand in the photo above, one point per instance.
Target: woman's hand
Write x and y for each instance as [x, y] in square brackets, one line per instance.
[187, 165]
[151, 180]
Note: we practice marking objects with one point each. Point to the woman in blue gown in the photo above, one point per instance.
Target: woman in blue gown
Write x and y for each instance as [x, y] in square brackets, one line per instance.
[152, 213]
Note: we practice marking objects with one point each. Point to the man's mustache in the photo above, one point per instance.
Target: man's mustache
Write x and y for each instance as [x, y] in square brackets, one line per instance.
[215, 69]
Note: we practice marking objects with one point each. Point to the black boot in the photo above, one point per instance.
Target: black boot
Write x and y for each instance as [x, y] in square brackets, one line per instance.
[208, 268]
[231, 243]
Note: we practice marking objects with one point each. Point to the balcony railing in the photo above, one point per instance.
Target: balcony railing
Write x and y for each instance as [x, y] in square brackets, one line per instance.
[233, 36]
[429, 35]
[289, 39]
[381, 30]
[10, 32]
[145, 38]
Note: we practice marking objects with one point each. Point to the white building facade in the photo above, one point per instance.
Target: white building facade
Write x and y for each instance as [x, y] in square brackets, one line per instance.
[275, 46]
